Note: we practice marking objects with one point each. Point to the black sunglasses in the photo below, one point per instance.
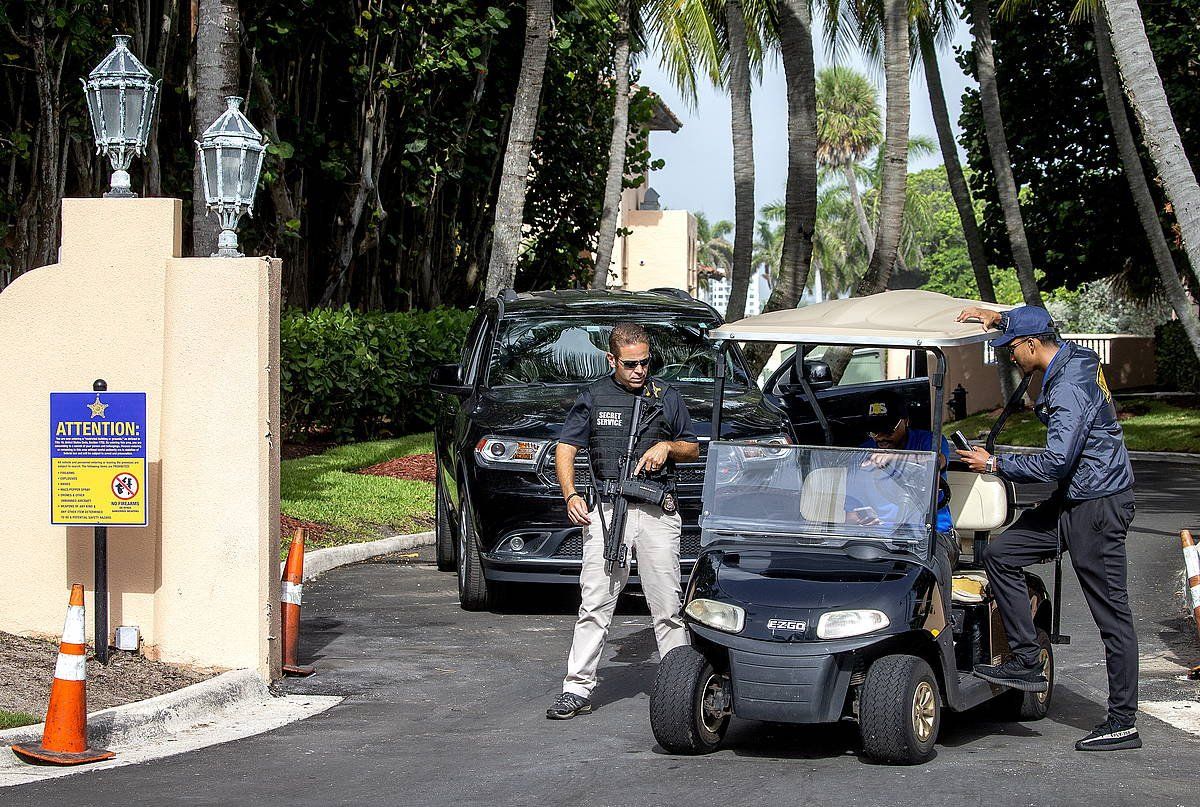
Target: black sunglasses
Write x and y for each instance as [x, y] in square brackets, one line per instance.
[629, 364]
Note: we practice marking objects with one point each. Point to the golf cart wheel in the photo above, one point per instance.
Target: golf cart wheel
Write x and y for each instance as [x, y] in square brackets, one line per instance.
[690, 703]
[442, 530]
[1033, 705]
[473, 594]
[899, 710]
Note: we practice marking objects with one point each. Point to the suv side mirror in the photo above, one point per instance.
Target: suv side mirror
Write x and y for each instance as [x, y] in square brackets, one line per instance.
[817, 374]
[447, 379]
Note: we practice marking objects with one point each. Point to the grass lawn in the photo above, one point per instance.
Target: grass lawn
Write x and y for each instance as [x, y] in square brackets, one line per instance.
[322, 488]
[1149, 424]
[11, 720]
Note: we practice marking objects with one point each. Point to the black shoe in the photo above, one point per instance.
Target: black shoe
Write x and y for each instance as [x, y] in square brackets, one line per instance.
[1111, 735]
[1013, 673]
[567, 705]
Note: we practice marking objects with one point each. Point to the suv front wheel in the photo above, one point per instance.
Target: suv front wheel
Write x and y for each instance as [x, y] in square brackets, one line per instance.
[473, 592]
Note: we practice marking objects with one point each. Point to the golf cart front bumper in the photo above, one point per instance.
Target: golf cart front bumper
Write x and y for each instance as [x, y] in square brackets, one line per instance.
[790, 682]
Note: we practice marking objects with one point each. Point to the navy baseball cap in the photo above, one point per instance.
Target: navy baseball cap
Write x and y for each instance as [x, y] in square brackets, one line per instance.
[1025, 320]
[884, 410]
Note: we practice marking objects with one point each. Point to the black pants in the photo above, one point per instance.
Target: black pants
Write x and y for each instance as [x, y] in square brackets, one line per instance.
[1093, 531]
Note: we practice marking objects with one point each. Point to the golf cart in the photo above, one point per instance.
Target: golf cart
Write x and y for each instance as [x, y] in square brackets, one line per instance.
[815, 597]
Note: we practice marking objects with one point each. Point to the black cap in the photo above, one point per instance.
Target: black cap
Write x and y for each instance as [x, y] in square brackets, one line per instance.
[884, 410]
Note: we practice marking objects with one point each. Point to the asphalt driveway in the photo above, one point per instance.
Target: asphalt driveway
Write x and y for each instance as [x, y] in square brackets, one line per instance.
[444, 707]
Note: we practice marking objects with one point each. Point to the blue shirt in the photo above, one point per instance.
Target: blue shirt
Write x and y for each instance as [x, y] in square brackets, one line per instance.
[921, 440]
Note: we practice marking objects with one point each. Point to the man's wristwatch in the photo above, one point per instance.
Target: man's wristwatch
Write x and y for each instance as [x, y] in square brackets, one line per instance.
[573, 495]
[991, 464]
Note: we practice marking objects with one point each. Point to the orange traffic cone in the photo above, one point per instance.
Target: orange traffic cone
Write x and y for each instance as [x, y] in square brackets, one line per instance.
[293, 589]
[64, 741]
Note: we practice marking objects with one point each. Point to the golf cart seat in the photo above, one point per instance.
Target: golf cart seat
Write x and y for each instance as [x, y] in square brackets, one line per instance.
[979, 504]
[823, 495]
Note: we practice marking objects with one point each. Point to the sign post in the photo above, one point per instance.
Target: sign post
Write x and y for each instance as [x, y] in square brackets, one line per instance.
[98, 474]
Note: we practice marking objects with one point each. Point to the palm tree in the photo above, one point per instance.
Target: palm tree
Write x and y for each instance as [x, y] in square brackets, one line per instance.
[1144, 87]
[1139, 187]
[742, 130]
[217, 62]
[768, 251]
[794, 31]
[615, 180]
[713, 248]
[895, 149]
[1006, 187]
[848, 129]
[514, 177]
[934, 23]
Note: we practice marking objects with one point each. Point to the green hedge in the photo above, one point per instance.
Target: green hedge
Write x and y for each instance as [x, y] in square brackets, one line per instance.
[1177, 365]
[362, 376]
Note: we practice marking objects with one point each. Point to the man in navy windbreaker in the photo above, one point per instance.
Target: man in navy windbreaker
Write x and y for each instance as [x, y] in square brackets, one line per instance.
[1089, 514]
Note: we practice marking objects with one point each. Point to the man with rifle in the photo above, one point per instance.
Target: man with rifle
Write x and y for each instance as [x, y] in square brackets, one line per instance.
[634, 428]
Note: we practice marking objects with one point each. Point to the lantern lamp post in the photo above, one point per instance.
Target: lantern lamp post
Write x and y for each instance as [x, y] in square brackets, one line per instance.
[231, 155]
[122, 98]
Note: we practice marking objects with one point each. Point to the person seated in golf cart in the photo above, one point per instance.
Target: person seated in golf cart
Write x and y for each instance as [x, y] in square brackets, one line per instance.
[888, 427]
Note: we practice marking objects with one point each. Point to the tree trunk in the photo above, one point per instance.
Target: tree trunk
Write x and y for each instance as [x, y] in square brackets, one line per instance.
[166, 35]
[614, 184]
[1006, 187]
[743, 162]
[47, 161]
[1144, 87]
[864, 226]
[514, 179]
[1010, 375]
[954, 173]
[217, 68]
[893, 185]
[1136, 177]
[800, 194]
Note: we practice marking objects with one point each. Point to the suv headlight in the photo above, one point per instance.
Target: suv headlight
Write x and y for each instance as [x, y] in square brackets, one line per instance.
[843, 624]
[509, 452]
[766, 448]
[719, 615]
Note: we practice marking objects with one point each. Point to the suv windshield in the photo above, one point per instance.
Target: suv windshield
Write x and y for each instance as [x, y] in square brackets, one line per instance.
[573, 351]
[810, 495]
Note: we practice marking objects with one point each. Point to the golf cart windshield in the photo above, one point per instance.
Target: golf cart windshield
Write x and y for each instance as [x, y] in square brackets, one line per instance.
[807, 495]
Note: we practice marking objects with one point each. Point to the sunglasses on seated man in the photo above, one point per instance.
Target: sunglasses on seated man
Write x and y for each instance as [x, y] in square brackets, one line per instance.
[629, 364]
[887, 432]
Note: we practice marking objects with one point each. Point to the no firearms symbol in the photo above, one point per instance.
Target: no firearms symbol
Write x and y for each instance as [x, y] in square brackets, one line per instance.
[125, 486]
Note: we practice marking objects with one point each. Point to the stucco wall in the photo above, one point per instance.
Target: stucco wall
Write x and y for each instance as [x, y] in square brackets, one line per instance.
[660, 250]
[1128, 363]
[200, 337]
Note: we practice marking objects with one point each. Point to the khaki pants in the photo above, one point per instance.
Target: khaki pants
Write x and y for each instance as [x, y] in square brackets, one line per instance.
[653, 537]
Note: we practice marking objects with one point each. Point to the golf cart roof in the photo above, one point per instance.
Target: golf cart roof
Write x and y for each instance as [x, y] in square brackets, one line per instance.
[904, 318]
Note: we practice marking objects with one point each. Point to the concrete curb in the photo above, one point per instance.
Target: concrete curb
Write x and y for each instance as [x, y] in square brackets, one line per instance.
[320, 561]
[160, 715]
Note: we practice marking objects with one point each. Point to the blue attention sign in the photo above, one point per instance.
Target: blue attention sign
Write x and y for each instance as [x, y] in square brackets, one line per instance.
[98, 458]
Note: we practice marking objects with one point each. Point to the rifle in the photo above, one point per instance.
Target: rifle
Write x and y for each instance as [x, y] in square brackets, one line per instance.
[615, 551]
[622, 490]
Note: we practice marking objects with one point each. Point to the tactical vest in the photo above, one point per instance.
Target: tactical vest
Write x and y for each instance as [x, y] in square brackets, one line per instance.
[612, 414]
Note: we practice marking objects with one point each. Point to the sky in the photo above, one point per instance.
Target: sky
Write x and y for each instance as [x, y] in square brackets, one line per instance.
[698, 175]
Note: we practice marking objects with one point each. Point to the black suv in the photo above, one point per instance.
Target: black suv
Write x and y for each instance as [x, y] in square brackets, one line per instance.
[500, 514]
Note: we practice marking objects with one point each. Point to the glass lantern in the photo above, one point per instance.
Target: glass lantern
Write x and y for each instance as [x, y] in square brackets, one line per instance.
[231, 153]
[122, 99]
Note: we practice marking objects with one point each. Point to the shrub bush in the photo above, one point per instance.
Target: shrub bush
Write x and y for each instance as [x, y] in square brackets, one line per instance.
[1178, 367]
[363, 376]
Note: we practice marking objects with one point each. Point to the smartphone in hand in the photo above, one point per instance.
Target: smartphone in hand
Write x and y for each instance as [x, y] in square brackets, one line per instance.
[960, 441]
[866, 516]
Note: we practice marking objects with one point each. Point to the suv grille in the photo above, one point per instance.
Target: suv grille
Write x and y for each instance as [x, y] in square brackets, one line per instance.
[686, 473]
[689, 547]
